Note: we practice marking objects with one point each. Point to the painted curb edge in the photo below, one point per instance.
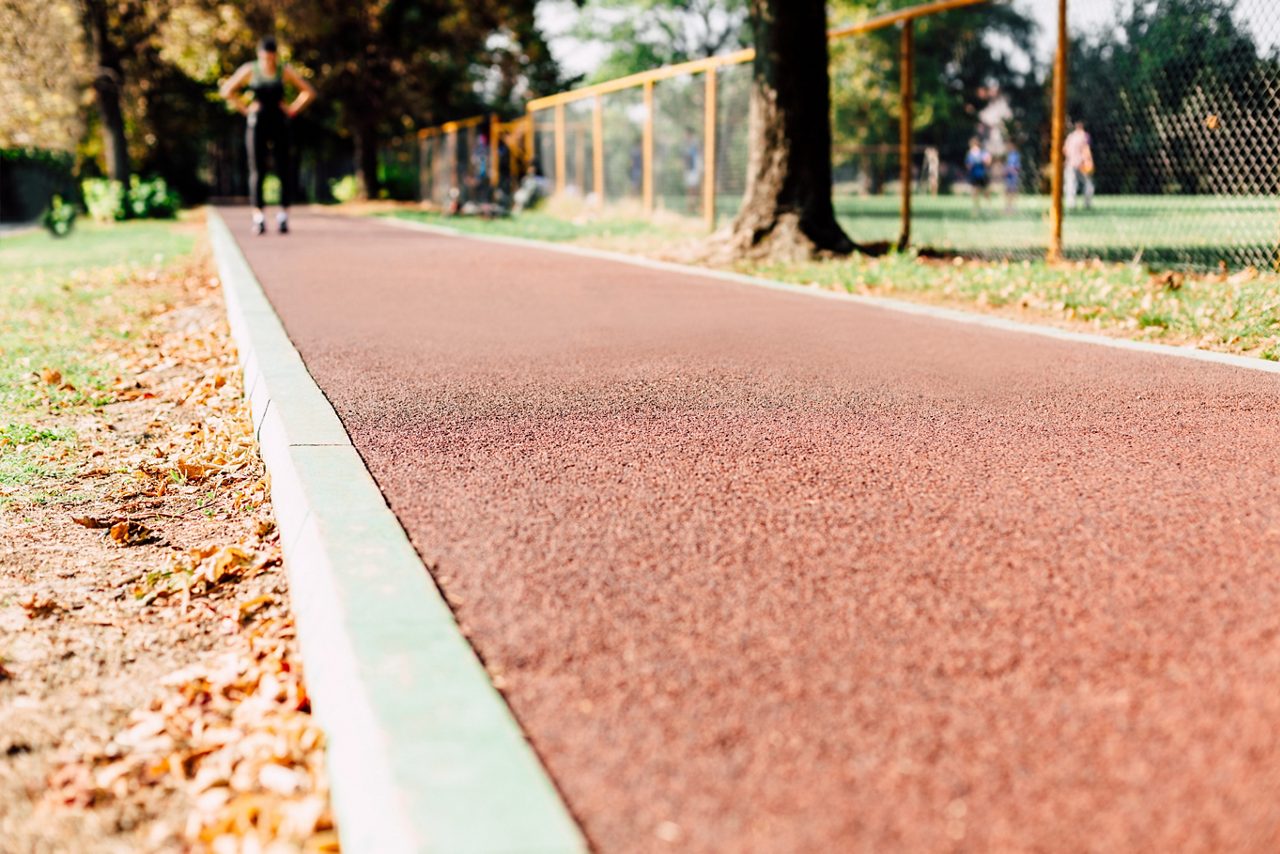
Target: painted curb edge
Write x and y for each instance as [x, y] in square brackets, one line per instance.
[423, 752]
[954, 315]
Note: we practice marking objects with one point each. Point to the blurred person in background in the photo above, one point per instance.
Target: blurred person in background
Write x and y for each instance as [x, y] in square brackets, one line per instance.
[268, 131]
[977, 169]
[931, 171]
[1078, 155]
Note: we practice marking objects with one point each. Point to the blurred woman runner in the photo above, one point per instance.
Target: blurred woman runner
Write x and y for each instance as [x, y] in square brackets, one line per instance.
[268, 126]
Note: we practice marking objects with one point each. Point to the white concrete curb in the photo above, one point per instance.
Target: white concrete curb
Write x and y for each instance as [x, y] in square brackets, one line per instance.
[423, 753]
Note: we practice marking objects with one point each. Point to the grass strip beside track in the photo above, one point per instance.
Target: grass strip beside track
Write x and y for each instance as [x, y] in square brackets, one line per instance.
[60, 299]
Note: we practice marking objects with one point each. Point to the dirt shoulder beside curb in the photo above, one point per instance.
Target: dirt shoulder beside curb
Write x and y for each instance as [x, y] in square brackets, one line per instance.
[151, 696]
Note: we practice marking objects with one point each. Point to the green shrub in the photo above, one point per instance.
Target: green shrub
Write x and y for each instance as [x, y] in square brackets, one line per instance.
[398, 178]
[108, 200]
[104, 199]
[59, 217]
[151, 199]
[344, 189]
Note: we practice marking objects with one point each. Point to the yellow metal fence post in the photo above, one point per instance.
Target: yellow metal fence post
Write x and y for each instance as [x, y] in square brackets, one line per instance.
[1058, 137]
[907, 86]
[561, 154]
[597, 147]
[709, 152]
[441, 181]
[647, 151]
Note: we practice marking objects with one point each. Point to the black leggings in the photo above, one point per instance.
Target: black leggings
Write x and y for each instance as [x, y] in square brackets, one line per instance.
[272, 134]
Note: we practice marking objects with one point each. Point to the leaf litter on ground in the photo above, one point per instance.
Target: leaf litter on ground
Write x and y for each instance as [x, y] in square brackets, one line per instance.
[225, 755]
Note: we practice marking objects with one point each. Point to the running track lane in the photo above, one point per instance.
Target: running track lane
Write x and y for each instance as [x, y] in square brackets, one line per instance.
[759, 572]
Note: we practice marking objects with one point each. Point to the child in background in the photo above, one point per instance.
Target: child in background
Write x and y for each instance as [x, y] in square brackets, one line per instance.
[1078, 150]
[977, 166]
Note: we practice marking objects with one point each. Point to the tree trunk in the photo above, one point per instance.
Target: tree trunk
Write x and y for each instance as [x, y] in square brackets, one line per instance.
[367, 161]
[108, 83]
[787, 211]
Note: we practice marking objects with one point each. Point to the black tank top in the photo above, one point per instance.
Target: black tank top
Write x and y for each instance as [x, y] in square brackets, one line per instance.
[268, 92]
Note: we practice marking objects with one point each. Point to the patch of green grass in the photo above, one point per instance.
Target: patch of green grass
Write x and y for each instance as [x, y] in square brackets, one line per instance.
[92, 245]
[1232, 314]
[1156, 320]
[1179, 230]
[25, 453]
[59, 299]
[20, 469]
[25, 434]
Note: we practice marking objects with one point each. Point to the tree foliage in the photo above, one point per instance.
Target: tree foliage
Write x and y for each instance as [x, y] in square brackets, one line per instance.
[1190, 100]
[388, 66]
[41, 61]
[644, 34]
[958, 53]
[151, 67]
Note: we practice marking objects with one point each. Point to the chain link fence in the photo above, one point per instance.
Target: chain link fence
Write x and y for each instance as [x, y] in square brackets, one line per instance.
[1174, 155]
[450, 161]
[1170, 147]
[733, 144]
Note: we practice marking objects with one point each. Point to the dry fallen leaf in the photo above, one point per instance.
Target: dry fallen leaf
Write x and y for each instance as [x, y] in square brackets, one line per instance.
[1171, 280]
[72, 785]
[37, 605]
[130, 533]
[254, 604]
[92, 522]
[51, 376]
[192, 471]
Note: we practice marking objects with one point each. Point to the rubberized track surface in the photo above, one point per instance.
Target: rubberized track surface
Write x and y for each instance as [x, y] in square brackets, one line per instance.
[759, 572]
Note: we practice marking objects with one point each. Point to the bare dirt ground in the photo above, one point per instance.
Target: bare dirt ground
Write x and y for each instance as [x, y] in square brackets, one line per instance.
[151, 695]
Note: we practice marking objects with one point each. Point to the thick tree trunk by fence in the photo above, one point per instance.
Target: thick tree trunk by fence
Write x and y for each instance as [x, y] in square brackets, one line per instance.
[787, 211]
[108, 83]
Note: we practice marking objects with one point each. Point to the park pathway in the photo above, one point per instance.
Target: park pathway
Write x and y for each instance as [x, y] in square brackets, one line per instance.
[763, 572]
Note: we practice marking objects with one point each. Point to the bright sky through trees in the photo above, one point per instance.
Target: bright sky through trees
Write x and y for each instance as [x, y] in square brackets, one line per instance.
[556, 18]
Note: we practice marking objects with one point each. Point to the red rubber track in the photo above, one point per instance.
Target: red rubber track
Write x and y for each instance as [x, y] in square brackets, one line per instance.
[762, 572]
